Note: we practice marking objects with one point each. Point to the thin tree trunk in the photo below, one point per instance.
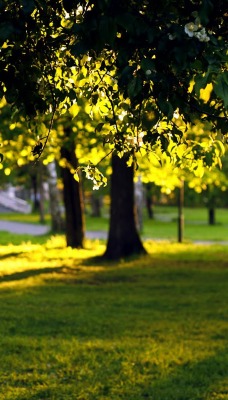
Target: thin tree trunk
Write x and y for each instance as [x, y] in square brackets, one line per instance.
[211, 205]
[96, 203]
[57, 223]
[149, 201]
[35, 206]
[123, 238]
[41, 192]
[180, 213]
[211, 215]
[73, 201]
[138, 193]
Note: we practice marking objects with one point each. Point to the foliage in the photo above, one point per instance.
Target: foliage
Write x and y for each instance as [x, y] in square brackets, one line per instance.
[23, 151]
[139, 64]
[198, 164]
[128, 331]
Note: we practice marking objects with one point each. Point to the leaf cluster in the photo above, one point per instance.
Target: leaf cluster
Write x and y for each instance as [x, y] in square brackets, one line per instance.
[137, 64]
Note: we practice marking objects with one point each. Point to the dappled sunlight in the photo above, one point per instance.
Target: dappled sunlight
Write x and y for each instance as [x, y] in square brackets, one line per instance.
[147, 327]
[188, 251]
[28, 264]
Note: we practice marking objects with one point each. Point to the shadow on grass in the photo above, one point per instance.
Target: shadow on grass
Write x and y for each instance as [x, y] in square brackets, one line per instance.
[35, 272]
[12, 254]
[205, 379]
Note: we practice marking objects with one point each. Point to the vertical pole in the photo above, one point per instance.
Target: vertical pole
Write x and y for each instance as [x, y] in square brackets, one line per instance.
[180, 212]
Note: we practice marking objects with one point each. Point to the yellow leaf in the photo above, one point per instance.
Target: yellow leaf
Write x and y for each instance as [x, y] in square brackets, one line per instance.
[205, 94]
[199, 172]
[181, 149]
[74, 110]
[7, 171]
[191, 85]
[76, 176]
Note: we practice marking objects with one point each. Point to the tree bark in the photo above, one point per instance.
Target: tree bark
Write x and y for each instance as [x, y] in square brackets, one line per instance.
[211, 205]
[35, 206]
[41, 192]
[180, 213]
[149, 201]
[73, 201]
[123, 238]
[57, 223]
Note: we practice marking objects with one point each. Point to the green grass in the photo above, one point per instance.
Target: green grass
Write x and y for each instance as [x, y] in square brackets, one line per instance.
[164, 226]
[17, 239]
[196, 227]
[75, 327]
[32, 218]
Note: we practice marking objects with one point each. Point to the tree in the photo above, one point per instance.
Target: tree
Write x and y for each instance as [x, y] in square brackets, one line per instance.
[158, 57]
[72, 194]
[123, 238]
[57, 223]
[138, 63]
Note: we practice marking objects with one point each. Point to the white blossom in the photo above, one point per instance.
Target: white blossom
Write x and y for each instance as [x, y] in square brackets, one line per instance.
[202, 35]
[192, 30]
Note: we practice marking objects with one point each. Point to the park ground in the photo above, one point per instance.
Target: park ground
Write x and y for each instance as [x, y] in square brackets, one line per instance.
[76, 327]
[163, 226]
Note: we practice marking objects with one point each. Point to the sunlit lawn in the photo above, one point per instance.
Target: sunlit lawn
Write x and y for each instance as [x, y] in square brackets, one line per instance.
[75, 327]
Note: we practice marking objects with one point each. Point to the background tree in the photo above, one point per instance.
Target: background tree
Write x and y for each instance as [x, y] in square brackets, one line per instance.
[139, 63]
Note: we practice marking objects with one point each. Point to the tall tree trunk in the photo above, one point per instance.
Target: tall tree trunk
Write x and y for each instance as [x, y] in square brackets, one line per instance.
[138, 193]
[123, 238]
[41, 191]
[57, 223]
[73, 201]
[36, 202]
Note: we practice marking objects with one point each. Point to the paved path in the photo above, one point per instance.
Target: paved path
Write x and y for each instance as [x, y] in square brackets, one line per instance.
[18, 227]
[36, 230]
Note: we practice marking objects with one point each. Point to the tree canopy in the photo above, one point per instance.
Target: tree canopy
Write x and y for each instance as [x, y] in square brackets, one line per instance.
[150, 69]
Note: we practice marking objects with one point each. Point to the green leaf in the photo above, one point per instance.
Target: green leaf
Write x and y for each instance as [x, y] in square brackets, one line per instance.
[206, 11]
[6, 29]
[99, 127]
[221, 88]
[107, 30]
[41, 130]
[147, 64]
[28, 6]
[222, 125]
[166, 107]
[134, 87]
[200, 83]
[164, 142]
[126, 21]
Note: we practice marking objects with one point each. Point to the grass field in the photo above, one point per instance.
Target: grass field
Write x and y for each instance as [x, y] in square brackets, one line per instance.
[164, 226]
[76, 328]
